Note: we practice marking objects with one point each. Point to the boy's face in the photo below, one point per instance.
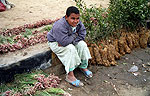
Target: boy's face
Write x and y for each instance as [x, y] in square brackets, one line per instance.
[73, 19]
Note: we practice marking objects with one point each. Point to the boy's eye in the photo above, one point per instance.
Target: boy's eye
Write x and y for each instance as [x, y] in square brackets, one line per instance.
[73, 18]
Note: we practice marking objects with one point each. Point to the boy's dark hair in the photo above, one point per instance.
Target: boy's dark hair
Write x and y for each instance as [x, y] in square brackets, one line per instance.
[72, 9]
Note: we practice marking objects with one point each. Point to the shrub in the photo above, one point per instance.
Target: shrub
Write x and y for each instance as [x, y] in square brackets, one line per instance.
[129, 14]
[103, 22]
[95, 20]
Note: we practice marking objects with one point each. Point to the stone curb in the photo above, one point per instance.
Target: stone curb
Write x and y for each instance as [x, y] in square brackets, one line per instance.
[7, 71]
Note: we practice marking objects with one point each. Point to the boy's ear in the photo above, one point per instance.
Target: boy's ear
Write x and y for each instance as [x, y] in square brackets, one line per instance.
[66, 17]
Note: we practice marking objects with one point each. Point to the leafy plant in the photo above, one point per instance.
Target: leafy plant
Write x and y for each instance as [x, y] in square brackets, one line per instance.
[27, 33]
[128, 14]
[10, 40]
[102, 23]
[6, 39]
[35, 83]
[48, 28]
[50, 92]
[2, 39]
[95, 20]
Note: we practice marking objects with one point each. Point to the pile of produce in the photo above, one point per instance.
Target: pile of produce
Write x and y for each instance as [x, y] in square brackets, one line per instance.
[23, 36]
[35, 83]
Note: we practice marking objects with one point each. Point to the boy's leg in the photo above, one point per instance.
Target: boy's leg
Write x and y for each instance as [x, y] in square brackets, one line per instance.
[68, 55]
[84, 54]
[84, 64]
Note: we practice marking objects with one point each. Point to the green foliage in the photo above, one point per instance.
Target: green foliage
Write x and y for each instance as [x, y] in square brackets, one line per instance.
[128, 13]
[56, 91]
[6, 39]
[48, 28]
[50, 92]
[27, 33]
[2, 39]
[21, 81]
[26, 80]
[10, 40]
[101, 23]
[95, 20]
[42, 93]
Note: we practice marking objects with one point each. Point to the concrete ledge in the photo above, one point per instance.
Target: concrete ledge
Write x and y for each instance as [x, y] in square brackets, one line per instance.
[7, 71]
[56, 66]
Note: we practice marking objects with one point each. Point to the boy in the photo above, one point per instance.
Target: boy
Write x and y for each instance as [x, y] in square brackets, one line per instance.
[66, 40]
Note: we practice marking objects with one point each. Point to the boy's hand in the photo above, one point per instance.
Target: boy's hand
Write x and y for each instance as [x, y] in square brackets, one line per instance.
[59, 45]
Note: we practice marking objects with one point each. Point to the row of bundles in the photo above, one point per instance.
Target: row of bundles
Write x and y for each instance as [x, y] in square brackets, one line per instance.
[106, 52]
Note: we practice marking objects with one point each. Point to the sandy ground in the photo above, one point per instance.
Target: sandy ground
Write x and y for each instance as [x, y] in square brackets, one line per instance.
[30, 11]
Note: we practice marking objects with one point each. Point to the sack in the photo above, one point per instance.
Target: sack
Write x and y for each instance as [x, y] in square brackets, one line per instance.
[2, 7]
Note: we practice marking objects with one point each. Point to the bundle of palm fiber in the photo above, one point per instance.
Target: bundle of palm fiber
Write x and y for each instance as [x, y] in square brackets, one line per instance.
[106, 52]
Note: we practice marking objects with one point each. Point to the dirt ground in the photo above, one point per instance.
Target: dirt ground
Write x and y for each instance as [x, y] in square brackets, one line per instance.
[107, 81]
[116, 80]
[30, 11]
